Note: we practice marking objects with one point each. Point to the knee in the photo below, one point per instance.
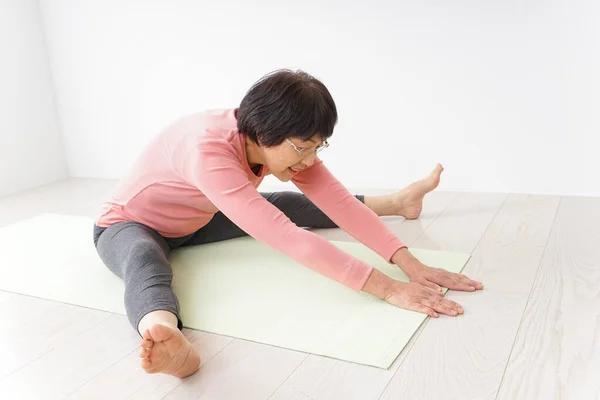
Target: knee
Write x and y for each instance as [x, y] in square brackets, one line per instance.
[146, 265]
[143, 249]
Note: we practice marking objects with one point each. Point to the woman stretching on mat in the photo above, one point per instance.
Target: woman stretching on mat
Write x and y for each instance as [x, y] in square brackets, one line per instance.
[196, 183]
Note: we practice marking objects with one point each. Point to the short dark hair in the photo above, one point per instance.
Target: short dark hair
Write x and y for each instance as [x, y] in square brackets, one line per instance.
[284, 104]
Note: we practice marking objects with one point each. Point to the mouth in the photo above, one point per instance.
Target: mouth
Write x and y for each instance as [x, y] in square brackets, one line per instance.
[293, 171]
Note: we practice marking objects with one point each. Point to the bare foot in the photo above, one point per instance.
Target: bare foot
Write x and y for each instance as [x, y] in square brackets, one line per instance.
[166, 350]
[408, 202]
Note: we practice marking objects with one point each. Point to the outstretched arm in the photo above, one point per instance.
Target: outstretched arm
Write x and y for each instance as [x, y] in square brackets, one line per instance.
[349, 213]
[216, 170]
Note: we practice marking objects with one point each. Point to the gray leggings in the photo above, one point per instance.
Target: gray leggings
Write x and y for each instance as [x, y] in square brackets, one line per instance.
[139, 255]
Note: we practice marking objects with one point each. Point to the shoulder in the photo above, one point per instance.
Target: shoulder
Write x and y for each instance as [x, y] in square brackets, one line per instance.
[220, 123]
[220, 131]
[213, 123]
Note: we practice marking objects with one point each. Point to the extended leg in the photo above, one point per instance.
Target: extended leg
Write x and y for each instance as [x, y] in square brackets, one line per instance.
[297, 207]
[138, 255]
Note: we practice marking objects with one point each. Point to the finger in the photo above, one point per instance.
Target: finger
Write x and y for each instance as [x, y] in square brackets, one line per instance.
[446, 304]
[463, 282]
[424, 309]
[455, 282]
[453, 305]
[465, 286]
[431, 285]
[441, 307]
[429, 293]
[456, 306]
[443, 278]
[471, 282]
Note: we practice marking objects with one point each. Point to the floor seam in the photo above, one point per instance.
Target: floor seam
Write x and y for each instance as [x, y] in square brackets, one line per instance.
[457, 195]
[289, 376]
[490, 224]
[100, 373]
[552, 227]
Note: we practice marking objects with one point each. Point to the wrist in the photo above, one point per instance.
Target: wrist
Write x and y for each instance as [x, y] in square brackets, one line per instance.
[378, 284]
[405, 260]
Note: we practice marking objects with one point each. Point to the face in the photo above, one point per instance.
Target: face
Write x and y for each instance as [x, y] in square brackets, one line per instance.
[290, 157]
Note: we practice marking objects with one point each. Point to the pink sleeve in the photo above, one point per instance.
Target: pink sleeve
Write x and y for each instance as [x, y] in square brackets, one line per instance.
[349, 213]
[217, 171]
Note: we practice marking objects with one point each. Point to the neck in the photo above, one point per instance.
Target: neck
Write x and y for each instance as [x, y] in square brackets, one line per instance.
[253, 154]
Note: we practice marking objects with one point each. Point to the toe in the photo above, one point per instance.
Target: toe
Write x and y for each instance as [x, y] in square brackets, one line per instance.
[146, 365]
[146, 344]
[144, 353]
[147, 335]
[435, 174]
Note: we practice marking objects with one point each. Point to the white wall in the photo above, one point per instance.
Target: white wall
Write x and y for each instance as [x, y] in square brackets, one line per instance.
[31, 149]
[503, 93]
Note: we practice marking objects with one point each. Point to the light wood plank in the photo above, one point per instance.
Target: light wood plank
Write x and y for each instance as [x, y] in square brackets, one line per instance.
[556, 354]
[69, 365]
[23, 344]
[463, 223]
[462, 357]
[434, 205]
[322, 378]
[243, 370]
[514, 242]
[18, 309]
[510, 252]
[126, 379]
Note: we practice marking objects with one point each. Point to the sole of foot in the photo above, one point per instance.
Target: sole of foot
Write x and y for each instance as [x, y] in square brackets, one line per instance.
[164, 349]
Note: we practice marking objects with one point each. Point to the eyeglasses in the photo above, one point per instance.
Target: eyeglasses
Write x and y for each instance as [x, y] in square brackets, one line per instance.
[305, 150]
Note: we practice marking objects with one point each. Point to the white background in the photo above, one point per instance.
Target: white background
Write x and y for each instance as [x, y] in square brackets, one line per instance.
[503, 93]
[32, 152]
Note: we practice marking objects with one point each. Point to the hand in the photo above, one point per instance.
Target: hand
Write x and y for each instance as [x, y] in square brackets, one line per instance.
[416, 297]
[432, 277]
[435, 277]
[410, 295]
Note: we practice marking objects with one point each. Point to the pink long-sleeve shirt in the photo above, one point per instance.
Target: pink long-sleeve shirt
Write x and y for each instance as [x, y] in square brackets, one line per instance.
[197, 166]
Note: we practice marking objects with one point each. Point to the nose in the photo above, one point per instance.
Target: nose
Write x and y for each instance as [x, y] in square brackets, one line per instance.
[309, 159]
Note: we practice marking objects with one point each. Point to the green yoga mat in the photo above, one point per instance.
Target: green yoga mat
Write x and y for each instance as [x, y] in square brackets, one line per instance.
[240, 288]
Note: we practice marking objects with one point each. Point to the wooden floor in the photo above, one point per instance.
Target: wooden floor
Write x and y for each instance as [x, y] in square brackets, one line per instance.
[533, 333]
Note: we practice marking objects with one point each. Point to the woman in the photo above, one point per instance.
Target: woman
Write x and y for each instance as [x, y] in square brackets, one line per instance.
[196, 183]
